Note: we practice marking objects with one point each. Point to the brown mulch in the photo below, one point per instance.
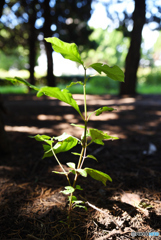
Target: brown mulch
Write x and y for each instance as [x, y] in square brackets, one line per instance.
[31, 205]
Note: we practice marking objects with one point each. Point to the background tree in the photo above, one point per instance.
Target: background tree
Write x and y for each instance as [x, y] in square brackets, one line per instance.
[4, 143]
[144, 12]
[64, 19]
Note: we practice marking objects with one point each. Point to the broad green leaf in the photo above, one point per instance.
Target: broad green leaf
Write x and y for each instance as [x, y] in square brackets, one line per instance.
[114, 72]
[82, 172]
[77, 125]
[68, 190]
[63, 146]
[62, 137]
[21, 80]
[97, 136]
[43, 138]
[59, 172]
[91, 156]
[67, 50]
[71, 165]
[103, 109]
[74, 83]
[78, 187]
[62, 95]
[98, 175]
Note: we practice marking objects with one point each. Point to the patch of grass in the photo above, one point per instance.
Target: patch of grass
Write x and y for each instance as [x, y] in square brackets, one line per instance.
[148, 89]
[13, 89]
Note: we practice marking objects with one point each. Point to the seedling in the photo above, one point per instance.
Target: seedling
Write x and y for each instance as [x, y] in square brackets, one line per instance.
[65, 142]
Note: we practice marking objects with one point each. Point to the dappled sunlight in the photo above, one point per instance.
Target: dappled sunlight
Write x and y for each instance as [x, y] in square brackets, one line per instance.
[43, 117]
[27, 129]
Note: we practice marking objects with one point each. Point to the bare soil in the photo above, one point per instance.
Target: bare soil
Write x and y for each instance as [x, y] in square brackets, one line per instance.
[31, 205]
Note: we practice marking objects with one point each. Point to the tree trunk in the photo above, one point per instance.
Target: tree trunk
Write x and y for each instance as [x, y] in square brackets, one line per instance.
[48, 33]
[4, 142]
[32, 42]
[133, 56]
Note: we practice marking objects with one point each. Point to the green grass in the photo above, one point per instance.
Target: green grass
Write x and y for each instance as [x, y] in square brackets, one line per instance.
[13, 89]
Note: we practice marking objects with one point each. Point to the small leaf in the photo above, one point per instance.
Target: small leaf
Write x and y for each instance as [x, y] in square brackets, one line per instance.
[78, 187]
[74, 83]
[77, 125]
[82, 172]
[63, 146]
[59, 172]
[73, 171]
[91, 156]
[80, 206]
[98, 175]
[103, 109]
[114, 72]
[74, 153]
[68, 190]
[71, 165]
[67, 50]
[62, 95]
[21, 80]
[97, 136]
[43, 138]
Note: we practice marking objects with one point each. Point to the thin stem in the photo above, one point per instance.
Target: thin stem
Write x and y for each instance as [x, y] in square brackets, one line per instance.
[66, 174]
[84, 146]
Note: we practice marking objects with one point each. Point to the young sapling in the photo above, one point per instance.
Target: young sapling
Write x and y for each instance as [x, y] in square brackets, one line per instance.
[65, 142]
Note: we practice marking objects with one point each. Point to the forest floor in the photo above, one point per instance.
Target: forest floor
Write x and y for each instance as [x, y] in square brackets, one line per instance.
[31, 205]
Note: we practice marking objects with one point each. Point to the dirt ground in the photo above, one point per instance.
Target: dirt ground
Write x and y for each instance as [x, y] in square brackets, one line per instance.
[31, 205]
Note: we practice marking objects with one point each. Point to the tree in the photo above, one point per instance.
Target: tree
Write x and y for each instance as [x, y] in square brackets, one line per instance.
[144, 12]
[4, 143]
[66, 19]
[133, 56]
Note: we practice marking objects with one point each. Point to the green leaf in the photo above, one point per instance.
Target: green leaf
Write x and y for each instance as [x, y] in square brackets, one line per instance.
[80, 206]
[97, 136]
[74, 83]
[82, 172]
[103, 109]
[21, 80]
[59, 172]
[62, 95]
[63, 146]
[78, 187]
[114, 72]
[73, 171]
[71, 165]
[98, 175]
[91, 156]
[68, 190]
[77, 125]
[67, 50]
[74, 153]
[43, 138]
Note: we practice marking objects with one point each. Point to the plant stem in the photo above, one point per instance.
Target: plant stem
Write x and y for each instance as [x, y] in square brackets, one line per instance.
[66, 174]
[84, 145]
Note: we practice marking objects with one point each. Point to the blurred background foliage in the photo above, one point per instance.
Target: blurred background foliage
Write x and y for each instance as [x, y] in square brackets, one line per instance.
[25, 23]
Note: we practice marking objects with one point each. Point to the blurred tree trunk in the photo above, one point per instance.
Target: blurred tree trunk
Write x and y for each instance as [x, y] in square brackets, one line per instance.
[48, 33]
[32, 41]
[4, 143]
[133, 56]
[2, 2]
